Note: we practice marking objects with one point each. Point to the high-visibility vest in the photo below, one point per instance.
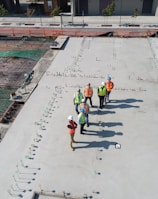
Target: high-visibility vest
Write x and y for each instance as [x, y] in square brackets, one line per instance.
[71, 127]
[101, 91]
[78, 98]
[88, 91]
[109, 85]
[81, 118]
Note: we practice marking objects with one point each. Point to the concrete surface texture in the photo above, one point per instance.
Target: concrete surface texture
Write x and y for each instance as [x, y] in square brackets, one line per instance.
[35, 153]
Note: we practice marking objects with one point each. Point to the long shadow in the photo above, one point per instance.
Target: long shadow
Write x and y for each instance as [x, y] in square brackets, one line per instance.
[104, 144]
[101, 112]
[103, 133]
[123, 103]
[122, 106]
[129, 100]
[108, 124]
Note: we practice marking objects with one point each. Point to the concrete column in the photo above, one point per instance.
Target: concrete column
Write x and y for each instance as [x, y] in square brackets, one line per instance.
[156, 12]
[73, 5]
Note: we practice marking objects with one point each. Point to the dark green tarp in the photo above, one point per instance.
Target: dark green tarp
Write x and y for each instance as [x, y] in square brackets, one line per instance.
[27, 54]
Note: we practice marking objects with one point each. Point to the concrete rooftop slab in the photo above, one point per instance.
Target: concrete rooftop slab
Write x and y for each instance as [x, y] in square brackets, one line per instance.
[35, 154]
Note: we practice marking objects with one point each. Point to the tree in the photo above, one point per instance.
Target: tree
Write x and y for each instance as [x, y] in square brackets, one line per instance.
[110, 9]
[55, 11]
[3, 11]
[135, 14]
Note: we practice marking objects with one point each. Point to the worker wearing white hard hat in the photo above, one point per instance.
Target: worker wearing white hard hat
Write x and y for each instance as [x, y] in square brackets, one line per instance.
[72, 125]
[101, 94]
[85, 106]
[109, 86]
[82, 120]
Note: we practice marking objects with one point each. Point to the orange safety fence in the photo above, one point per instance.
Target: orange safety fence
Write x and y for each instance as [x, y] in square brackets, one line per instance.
[47, 32]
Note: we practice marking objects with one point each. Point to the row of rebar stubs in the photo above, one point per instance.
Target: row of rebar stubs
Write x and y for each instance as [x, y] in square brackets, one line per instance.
[25, 174]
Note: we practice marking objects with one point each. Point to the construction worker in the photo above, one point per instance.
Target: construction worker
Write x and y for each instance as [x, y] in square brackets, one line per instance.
[101, 94]
[109, 86]
[82, 120]
[72, 125]
[88, 93]
[77, 99]
[86, 107]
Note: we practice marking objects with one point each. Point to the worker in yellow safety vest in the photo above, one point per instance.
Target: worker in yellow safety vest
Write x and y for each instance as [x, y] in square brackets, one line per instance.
[109, 86]
[101, 94]
[82, 120]
[77, 99]
[88, 93]
[85, 106]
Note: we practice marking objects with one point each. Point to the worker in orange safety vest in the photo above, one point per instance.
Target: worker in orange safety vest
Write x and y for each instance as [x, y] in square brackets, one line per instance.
[72, 125]
[109, 86]
[88, 93]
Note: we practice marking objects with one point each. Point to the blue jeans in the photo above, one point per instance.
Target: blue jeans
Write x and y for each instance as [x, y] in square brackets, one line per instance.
[87, 118]
[76, 108]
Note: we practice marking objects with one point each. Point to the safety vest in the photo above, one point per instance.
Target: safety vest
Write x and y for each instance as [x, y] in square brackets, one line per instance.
[109, 85]
[71, 127]
[81, 118]
[101, 91]
[78, 98]
[88, 92]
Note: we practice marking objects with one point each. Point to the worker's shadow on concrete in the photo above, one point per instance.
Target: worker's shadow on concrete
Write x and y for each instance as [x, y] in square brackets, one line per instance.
[129, 100]
[122, 106]
[96, 144]
[108, 124]
[124, 103]
[101, 112]
[103, 133]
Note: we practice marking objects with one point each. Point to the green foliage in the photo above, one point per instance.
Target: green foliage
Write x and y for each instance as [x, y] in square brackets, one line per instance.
[136, 12]
[55, 12]
[110, 9]
[3, 11]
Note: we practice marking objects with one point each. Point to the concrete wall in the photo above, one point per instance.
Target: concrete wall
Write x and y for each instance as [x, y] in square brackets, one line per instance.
[93, 7]
[124, 7]
[155, 8]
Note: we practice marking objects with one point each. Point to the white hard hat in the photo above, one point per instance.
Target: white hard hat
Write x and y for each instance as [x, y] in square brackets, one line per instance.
[70, 117]
[103, 83]
[83, 100]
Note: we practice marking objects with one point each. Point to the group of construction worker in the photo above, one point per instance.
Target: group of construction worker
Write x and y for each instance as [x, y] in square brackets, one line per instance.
[82, 108]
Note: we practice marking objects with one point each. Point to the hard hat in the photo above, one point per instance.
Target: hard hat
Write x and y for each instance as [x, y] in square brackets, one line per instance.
[82, 110]
[78, 90]
[109, 78]
[70, 117]
[83, 100]
[103, 83]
